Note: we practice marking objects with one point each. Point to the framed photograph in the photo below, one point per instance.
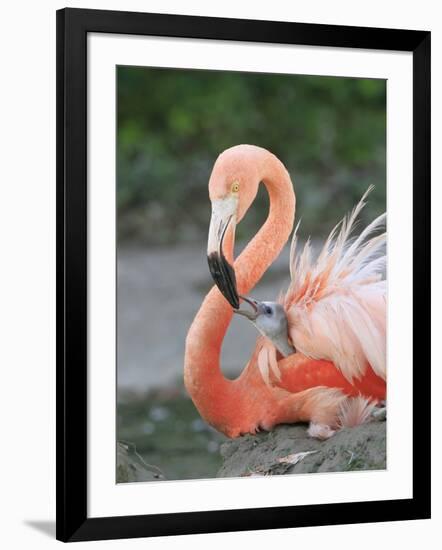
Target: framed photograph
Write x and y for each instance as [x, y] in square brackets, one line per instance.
[243, 274]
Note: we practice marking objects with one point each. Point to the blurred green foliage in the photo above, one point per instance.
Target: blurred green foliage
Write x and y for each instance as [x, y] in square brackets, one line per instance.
[172, 124]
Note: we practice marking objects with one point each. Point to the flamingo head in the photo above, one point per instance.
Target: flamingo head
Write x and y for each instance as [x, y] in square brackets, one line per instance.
[270, 319]
[233, 186]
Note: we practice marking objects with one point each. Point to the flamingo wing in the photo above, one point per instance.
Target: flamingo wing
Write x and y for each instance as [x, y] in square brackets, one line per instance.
[336, 304]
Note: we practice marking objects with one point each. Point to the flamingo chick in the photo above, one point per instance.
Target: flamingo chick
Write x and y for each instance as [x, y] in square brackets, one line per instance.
[271, 320]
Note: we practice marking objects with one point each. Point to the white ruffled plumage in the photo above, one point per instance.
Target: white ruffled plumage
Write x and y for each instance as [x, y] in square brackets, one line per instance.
[336, 304]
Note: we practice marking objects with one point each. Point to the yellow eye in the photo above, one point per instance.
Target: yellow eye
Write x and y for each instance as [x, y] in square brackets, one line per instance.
[235, 187]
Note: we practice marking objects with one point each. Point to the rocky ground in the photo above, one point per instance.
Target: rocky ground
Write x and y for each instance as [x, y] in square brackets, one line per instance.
[289, 450]
[131, 466]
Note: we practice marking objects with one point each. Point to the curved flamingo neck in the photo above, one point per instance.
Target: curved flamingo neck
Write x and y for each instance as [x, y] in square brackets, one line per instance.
[217, 398]
[266, 245]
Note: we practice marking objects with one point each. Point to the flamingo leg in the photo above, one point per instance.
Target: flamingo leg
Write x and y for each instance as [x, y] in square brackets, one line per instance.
[320, 406]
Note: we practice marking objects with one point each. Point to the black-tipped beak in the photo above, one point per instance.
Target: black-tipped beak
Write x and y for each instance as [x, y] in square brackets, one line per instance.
[224, 276]
[222, 272]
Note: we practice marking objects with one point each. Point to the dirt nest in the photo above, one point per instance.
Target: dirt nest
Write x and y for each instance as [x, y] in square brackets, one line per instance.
[289, 450]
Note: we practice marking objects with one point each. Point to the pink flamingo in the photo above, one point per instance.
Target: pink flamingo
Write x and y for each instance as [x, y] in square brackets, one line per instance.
[329, 369]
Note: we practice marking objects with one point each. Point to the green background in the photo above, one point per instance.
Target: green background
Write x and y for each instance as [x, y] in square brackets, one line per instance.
[172, 124]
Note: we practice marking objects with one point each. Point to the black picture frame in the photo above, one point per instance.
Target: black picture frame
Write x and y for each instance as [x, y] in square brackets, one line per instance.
[73, 25]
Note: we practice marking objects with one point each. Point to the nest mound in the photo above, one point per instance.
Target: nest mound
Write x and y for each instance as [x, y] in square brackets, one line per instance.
[289, 450]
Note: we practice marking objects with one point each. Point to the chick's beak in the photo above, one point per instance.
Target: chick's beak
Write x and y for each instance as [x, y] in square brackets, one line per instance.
[251, 315]
[223, 274]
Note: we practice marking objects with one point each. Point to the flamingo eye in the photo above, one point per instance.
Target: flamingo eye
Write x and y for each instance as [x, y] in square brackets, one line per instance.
[235, 187]
[268, 310]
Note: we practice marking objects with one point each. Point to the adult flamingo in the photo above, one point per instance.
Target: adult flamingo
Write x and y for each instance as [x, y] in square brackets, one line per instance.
[336, 380]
